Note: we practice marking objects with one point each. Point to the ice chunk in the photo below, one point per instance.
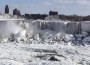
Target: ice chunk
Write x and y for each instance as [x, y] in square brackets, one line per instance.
[86, 40]
[84, 34]
[20, 36]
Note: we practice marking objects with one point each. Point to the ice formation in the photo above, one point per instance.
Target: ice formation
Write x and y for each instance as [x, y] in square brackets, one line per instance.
[61, 26]
[39, 42]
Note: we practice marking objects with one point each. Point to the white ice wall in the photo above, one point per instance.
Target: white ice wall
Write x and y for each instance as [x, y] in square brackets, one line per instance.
[66, 27]
[62, 26]
[85, 26]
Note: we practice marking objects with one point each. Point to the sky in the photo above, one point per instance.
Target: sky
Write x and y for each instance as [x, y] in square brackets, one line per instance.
[67, 7]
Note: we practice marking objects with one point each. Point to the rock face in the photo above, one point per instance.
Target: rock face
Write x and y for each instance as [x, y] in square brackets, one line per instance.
[6, 9]
[53, 59]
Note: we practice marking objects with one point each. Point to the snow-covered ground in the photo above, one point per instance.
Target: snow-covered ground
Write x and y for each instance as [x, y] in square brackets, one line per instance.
[40, 54]
[22, 43]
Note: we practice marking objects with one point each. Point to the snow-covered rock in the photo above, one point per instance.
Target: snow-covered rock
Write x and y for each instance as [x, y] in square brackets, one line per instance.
[20, 35]
[86, 40]
[84, 34]
[68, 38]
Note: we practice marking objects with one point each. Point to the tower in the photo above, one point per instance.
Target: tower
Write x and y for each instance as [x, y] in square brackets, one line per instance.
[16, 12]
[6, 9]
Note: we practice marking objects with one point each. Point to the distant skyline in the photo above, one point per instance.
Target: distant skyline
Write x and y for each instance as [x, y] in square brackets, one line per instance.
[67, 7]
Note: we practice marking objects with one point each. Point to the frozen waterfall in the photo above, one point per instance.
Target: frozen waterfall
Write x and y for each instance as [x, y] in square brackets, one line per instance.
[66, 27]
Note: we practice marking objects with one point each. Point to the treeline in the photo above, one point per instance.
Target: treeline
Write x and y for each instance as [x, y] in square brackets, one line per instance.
[35, 16]
[62, 17]
[51, 13]
[74, 17]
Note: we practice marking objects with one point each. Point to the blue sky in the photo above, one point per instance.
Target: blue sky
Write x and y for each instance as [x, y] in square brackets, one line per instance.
[68, 7]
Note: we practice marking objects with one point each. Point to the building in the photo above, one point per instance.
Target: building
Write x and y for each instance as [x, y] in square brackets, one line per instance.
[6, 9]
[35, 16]
[16, 12]
[53, 13]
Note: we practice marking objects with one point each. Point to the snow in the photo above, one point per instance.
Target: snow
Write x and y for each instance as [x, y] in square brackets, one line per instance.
[27, 54]
[20, 35]
[24, 43]
[86, 40]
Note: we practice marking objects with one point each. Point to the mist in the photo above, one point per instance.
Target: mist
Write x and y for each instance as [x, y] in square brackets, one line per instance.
[8, 27]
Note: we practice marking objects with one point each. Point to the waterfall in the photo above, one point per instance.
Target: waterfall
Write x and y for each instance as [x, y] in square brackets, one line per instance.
[62, 26]
[72, 28]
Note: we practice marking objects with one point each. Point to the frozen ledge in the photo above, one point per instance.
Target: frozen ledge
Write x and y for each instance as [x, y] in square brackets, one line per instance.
[11, 19]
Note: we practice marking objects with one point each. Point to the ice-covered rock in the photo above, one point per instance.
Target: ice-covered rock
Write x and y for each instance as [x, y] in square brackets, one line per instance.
[84, 34]
[5, 40]
[68, 37]
[53, 17]
[86, 40]
[20, 35]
